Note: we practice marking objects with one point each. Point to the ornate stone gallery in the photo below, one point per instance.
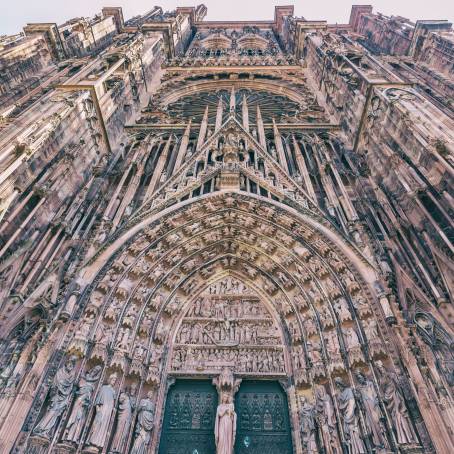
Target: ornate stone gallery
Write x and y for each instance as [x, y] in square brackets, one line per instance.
[231, 238]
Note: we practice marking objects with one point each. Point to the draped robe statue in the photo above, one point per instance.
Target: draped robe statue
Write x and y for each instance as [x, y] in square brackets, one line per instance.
[395, 404]
[225, 427]
[371, 409]
[105, 402]
[308, 427]
[76, 420]
[124, 421]
[327, 420]
[60, 394]
[347, 407]
[144, 425]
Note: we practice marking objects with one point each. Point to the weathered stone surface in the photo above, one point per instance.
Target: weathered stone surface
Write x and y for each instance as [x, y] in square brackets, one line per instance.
[227, 202]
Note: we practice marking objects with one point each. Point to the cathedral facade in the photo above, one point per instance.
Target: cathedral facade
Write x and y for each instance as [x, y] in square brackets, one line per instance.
[227, 237]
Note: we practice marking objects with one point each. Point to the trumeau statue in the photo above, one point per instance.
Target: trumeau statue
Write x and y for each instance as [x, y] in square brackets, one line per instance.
[77, 418]
[60, 394]
[225, 426]
[231, 226]
[104, 405]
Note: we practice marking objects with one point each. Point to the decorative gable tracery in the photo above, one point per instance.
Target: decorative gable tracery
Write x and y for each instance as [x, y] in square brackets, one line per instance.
[235, 235]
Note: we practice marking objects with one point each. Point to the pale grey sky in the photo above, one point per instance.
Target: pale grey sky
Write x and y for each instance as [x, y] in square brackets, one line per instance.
[14, 14]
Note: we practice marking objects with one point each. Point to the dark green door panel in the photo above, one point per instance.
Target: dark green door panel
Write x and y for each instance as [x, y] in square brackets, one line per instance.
[188, 426]
[263, 423]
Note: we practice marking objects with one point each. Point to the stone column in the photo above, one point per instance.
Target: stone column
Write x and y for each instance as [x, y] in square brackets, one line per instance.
[183, 147]
[261, 129]
[203, 130]
[245, 110]
[280, 147]
[219, 114]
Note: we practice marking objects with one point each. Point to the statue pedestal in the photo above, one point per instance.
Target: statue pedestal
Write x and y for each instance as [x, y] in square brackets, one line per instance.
[65, 448]
[90, 450]
[38, 445]
[411, 449]
[229, 179]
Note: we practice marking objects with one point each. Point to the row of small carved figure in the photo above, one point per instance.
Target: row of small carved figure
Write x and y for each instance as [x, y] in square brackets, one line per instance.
[230, 60]
[92, 426]
[250, 52]
[204, 307]
[222, 307]
[228, 286]
[364, 426]
[244, 359]
[217, 332]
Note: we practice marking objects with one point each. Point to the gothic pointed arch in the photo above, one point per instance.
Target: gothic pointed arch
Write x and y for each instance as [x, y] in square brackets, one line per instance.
[149, 285]
[225, 229]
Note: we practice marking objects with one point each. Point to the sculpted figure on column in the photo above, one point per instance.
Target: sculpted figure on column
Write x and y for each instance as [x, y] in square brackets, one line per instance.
[327, 420]
[144, 425]
[124, 420]
[347, 407]
[104, 403]
[308, 426]
[225, 426]
[60, 394]
[76, 420]
[395, 404]
[371, 409]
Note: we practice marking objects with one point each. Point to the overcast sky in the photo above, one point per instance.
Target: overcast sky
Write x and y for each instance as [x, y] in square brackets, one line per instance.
[14, 14]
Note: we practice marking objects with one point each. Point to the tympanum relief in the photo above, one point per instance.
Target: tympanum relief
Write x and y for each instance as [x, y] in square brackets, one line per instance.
[228, 326]
[258, 211]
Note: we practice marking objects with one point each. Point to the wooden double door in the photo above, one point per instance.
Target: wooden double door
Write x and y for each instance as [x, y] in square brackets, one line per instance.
[262, 419]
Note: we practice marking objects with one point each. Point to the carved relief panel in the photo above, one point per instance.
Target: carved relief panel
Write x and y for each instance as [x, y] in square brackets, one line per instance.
[228, 326]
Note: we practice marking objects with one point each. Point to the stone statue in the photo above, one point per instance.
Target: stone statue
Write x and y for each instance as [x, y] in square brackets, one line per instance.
[7, 372]
[371, 409]
[341, 307]
[225, 426]
[103, 335]
[144, 425]
[78, 414]
[60, 394]
[347, 408]
[308, 427]
[124, 420]
[332, 343]
[104, 403]
[395, 404]
[351, 338]
[327, 420]
[371, 329]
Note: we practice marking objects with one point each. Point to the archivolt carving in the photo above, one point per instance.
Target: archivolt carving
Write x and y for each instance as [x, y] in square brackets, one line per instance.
[233, 283]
